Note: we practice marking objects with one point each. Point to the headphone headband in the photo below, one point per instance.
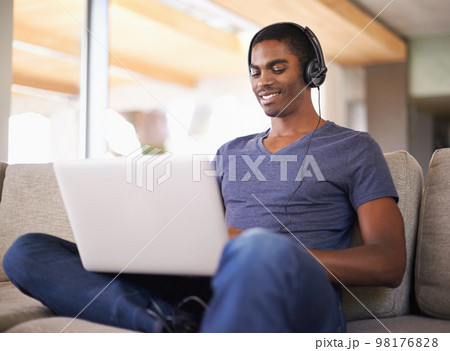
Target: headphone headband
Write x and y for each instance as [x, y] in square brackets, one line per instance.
[315, 69]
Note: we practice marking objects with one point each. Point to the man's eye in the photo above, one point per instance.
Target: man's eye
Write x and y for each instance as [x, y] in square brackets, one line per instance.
[254, 73]
[278, 71]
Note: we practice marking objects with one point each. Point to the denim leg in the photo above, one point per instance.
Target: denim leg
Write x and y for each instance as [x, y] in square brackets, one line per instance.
[49, 269]
[267, 282]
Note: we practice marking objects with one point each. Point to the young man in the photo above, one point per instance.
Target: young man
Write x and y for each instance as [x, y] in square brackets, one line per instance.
[291, 196]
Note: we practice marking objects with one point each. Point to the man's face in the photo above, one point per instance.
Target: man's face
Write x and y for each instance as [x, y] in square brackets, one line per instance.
[276, 78]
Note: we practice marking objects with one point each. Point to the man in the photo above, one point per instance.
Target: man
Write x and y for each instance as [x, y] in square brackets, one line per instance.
[291, 196]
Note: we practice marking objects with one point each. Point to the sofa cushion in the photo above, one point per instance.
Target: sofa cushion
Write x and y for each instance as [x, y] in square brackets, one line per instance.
[404, 324]
[2, 176]
[64, 325]
[31, 202]
[16, 307]
[385, 302]
[433, 246]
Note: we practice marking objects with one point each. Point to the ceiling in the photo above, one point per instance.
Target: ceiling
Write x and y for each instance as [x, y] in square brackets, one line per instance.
[184, 41]
[411, 18]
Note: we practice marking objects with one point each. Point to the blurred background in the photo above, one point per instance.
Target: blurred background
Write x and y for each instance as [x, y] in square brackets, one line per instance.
[99, 78]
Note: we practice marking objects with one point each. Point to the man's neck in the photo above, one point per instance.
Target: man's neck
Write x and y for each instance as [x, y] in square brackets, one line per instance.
[287, 130]
[294, 125]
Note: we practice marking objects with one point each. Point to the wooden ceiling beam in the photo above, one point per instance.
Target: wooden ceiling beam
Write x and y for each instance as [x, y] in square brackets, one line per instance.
[26, 57]
[153, 71]
[181, 22]
[46, 83]
[130, 65]
[337, 24]
[49, 23]
[375, 36]
[70, 44]
[47, 39]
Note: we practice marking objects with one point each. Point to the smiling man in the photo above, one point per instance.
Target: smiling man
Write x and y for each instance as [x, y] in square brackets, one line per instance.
[291, 196]
[307, 216]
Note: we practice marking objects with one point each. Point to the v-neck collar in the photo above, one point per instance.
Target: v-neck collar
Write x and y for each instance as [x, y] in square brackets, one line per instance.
[283, 150]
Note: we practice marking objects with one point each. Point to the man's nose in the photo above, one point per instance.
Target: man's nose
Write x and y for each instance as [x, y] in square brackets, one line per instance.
[265, 79]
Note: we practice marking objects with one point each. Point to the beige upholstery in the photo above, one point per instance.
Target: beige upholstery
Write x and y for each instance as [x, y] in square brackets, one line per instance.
[16, 307]
[385, 302]
[433, 246]
[64, 325]
[31, 202]
[403, 324]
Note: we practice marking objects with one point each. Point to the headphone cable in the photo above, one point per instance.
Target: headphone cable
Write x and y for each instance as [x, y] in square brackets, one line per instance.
[282, 228]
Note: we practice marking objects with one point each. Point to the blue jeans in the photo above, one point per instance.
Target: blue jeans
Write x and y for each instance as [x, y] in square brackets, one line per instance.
[265, 283]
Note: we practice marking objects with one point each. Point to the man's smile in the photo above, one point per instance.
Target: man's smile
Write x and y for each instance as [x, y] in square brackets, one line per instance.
[268, 97]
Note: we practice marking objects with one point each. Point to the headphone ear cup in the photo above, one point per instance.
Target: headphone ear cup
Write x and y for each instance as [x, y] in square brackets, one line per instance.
[313, 77]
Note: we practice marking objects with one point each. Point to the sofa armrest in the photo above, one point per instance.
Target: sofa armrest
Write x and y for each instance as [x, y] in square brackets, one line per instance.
[31, 202]
[432, 284]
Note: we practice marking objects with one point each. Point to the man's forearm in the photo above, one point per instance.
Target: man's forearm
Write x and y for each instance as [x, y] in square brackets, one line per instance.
[368, 265]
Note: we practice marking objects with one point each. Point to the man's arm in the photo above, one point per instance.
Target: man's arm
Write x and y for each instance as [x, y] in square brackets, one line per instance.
[381, 260]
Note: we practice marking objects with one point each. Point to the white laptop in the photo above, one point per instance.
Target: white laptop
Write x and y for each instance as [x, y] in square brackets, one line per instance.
[158, 214]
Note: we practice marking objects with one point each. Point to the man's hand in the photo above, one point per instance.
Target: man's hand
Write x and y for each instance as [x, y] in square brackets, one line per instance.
[234, 232]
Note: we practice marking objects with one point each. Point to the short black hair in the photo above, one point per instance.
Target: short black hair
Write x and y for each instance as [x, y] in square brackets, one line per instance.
[290, 34]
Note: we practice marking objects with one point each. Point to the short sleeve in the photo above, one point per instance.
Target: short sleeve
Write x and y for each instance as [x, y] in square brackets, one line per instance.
[369, 175]
[217, 163]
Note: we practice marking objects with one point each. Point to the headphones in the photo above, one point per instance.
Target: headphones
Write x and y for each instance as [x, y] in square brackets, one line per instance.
[315, 69]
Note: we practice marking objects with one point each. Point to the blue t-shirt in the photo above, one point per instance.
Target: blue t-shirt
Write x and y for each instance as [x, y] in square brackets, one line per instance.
[343, 170]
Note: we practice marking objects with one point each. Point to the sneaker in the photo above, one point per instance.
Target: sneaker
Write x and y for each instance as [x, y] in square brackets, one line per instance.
[186, 317]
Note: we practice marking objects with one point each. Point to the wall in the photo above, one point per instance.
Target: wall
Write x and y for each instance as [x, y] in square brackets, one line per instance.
[429, 66]
[387, 106]
[429, 92]
[6, 22]
[421, 144]
[344, 97]
[333, 96]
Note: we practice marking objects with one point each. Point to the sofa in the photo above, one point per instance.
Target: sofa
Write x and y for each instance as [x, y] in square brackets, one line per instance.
[30, 201]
